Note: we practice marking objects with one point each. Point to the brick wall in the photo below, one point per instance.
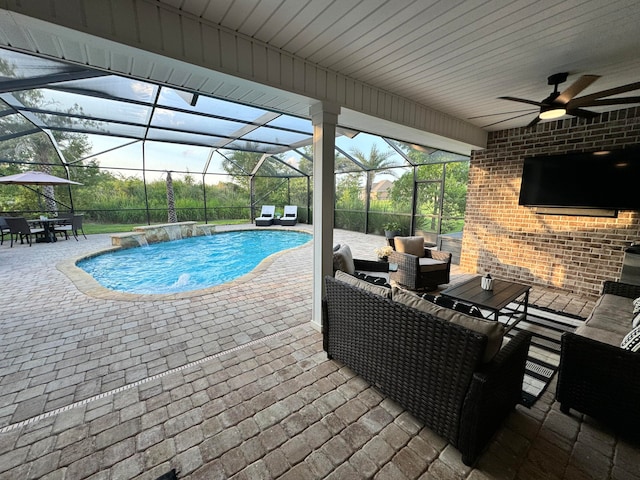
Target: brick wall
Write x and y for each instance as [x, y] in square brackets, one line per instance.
[574, 253]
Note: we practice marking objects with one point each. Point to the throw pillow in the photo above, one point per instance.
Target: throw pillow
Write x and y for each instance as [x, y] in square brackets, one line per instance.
[343, 260]
[373, 279]
[636, 321]
[631, 341]
[369, 287]
[430, 297]
[636, 306]
[444, 302]
[411, 245]
[468, 309]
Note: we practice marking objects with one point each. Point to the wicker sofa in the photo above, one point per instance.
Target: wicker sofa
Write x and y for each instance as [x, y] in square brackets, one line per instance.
[596, 376]
[434, 368]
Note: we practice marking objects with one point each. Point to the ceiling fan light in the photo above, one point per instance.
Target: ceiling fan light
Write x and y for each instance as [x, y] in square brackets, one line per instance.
[549, 113]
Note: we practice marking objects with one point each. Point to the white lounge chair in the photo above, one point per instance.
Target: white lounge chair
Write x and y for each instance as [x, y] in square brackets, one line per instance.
[266, 216]
[290, 217]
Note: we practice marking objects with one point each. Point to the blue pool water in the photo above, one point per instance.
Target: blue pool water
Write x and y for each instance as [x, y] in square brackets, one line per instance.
[189, 264]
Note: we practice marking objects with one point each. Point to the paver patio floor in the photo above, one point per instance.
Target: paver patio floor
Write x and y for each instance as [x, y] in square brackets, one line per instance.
[232, 382]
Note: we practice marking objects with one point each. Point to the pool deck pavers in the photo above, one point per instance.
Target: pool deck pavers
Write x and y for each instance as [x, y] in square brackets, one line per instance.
[232, 382]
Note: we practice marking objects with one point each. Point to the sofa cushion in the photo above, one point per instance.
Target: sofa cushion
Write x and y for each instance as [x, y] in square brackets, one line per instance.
[431, 264]
[493, 330]
[343, 260]
[631, 341]
[600, 334]
[411, 245]
[369, 287]
[612, 313]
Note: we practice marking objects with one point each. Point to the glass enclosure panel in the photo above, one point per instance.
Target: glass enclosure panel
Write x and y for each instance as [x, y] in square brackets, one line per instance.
[169, 136]
[115, 196]
[100, 108]
[19, 65]
[177, 99]
[293, 123]
[455, 197]
[275, 168]
[112, 87]
[216, 163]
[344, 163]
[428, 210]
[350, 205]
[187, 159]
[194, 123]
[128, 159]
[58, 122]
[254, 146]
[371, 151]
[282, 137]
[95, 144]
[13, 124]
[430, 172]
[35, 149]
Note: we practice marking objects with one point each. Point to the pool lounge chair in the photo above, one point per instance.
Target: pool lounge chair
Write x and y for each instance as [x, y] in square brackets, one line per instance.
[290, 217]
[266, 216]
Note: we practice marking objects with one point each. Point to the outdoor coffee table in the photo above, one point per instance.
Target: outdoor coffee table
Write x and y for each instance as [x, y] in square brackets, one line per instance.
[502, 294]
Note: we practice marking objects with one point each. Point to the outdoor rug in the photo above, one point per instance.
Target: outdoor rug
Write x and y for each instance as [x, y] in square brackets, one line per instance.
[546, 327]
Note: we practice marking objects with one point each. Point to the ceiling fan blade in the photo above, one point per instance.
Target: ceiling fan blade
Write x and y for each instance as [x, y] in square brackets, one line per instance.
[507, 119]
[587, 99]
[610, 101]
[579, 112]
[576, 87]
[521, 100]
[529, 110]
[533, 122]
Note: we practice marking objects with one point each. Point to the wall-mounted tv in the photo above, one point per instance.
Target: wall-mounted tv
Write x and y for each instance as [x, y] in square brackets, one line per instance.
[598, 180]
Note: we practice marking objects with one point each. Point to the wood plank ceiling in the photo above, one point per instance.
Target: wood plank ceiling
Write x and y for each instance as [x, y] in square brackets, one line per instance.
[456, 56]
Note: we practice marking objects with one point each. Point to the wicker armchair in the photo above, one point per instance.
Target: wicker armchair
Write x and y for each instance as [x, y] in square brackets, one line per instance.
[419, 267]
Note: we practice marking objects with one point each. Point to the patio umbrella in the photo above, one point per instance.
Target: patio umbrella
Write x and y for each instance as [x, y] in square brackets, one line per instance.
[39, 178]
[35, 178]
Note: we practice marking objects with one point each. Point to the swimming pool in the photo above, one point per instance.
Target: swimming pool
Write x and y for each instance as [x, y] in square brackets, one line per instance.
[189, 264]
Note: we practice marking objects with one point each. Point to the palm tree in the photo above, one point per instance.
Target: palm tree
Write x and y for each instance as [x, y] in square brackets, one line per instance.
[376, 163]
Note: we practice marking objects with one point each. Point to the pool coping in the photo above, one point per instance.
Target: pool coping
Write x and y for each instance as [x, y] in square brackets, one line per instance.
[88, 285]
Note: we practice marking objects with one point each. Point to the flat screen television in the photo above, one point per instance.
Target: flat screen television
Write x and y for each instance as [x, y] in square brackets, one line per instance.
[591, 180]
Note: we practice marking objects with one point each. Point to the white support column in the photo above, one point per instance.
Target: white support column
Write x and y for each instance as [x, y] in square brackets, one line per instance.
[325, 118]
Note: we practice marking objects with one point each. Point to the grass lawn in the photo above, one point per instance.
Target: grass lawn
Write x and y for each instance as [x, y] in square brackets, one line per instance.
[90, 228]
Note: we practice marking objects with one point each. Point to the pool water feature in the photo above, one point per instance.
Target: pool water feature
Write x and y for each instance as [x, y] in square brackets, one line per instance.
[188, 264]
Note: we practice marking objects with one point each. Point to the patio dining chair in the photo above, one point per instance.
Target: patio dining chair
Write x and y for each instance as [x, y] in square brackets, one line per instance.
[73, 227]
[4, 229]
[19, 227]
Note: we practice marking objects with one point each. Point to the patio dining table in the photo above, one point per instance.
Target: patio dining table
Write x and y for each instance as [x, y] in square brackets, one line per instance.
[49, 234]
